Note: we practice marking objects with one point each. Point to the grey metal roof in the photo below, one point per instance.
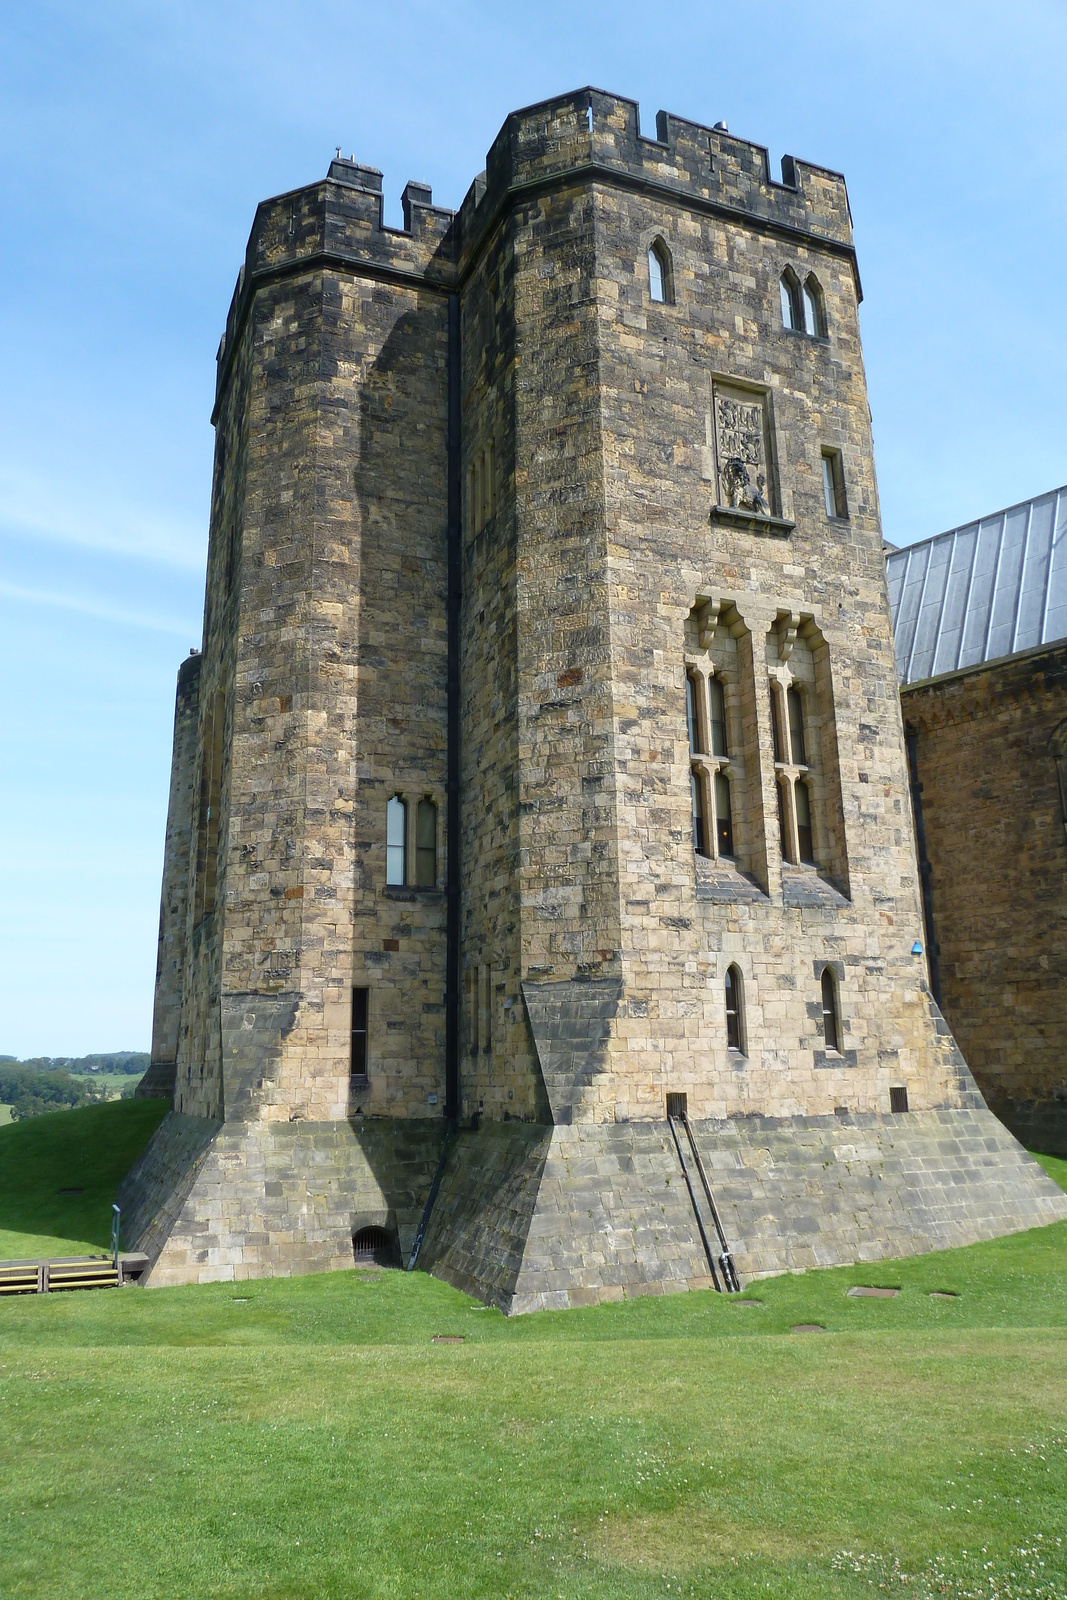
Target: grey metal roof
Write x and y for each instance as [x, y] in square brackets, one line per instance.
[989, 589]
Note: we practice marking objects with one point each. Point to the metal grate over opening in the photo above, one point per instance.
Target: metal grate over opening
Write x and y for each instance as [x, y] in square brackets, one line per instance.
[375, 1247]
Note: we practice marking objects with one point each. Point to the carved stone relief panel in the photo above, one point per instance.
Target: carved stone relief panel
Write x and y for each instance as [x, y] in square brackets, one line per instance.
[740, 430]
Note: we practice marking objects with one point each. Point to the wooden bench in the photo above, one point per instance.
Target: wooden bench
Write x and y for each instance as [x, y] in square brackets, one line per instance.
[71, 1272]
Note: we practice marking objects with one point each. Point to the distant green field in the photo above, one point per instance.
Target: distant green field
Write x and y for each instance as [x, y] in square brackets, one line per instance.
[307, 1439]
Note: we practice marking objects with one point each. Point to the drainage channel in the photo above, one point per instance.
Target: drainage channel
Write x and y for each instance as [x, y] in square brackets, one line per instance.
[678, 1117]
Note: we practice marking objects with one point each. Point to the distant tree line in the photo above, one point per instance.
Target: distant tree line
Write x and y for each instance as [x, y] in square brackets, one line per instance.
[134, 1062]
[55, 1083]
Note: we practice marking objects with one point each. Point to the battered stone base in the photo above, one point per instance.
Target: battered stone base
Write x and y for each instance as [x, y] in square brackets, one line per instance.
[530, 1217]
[1037, 1124]
[157, 1082]
[609, 1215]
[210, 1201]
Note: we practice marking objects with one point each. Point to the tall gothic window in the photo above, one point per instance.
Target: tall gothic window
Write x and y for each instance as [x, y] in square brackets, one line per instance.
[396, 844]
[709, 765]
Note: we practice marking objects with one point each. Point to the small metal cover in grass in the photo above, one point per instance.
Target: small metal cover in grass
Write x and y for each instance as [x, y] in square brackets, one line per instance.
[745, 1302]
[448, 1338]
[863, 1291]
[808, 1327]
[943, 1294]
[70, 1191]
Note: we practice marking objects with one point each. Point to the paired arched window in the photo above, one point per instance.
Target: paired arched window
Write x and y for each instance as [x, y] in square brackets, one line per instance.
[831, 1018]
[803, 307]
[660, 274]
[791, 773]
[735, 1010]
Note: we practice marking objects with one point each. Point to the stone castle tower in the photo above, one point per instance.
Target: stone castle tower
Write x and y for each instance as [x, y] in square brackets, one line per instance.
[544, 758]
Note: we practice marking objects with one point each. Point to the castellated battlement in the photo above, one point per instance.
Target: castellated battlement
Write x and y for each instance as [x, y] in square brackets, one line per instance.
[584, 136]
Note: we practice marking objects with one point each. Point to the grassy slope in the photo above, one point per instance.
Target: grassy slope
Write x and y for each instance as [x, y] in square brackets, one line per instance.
[307, 1439]
[90, 1148]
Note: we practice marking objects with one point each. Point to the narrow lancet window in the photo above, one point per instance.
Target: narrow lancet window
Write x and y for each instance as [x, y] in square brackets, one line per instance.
[396, 849]
[360, 1008]
[724, 822]
[700, 837]
[789, 289]
[660, 285]
[735, 1032]
[796, 728]
[831, 1030]
[717, 707]
[804, 839]
[833, 484]
[692, 714]
[426, 845]
[814, 322]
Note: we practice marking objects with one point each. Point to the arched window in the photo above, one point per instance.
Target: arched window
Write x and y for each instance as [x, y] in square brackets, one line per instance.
[805, 844]
[426, 844]
[792, 311]
[783, 826]
[660, 277]
[396, 844]
[717, 709]
[796, 727]
[814, 315]
[831, 1027]
[735, 1011]
[692, 714]
[724, 821]
[700, 832]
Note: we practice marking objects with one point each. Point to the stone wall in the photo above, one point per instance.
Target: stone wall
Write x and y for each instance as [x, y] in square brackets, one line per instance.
[997, 846]
[158, 1081]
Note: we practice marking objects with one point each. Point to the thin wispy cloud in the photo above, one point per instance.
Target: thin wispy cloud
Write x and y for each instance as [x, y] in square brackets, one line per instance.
[31, 507]
[92, 608]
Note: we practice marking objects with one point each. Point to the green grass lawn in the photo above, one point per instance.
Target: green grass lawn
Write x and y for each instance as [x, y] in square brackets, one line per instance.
[307, 1439]
[90, 1149]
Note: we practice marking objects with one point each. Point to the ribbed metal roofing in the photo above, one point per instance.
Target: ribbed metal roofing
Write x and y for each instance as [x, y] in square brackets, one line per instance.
[986, 590]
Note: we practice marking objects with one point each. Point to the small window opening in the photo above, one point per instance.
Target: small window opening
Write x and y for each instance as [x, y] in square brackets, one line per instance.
[700, 837]
[814, 320]
[831, 1031]
[396, 850]
[426, 844]
[724, 827]
[796, 728]
[783, 831]
[898, 1098]
[776, 726]
[789, 288]
[717, 706]
[660, 285]
[589, 118]
[360, 1006]
[692, 715]
[677, 1104]
[804, 840]
[833, 484]
[375, 1247]
[473, 1007]
[734, 1011]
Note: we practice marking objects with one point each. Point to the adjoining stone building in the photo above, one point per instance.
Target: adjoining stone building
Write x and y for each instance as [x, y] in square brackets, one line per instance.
[980, 617]
[543, 758]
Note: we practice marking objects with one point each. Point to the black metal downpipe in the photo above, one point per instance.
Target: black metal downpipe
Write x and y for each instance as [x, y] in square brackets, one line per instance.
[911, 740]
[453, 854]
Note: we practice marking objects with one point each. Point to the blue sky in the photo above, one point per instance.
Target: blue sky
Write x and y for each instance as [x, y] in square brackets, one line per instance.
[137, 139]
